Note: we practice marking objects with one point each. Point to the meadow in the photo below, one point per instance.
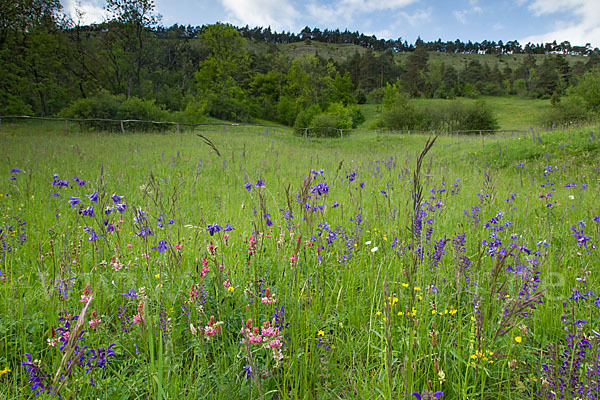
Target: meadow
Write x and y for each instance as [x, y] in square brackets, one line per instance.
[512, 112]
[266, 266]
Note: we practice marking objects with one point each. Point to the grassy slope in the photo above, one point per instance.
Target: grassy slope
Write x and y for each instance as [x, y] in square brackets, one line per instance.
[512, 112]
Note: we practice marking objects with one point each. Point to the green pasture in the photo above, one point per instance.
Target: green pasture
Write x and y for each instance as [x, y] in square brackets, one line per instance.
[457, 271]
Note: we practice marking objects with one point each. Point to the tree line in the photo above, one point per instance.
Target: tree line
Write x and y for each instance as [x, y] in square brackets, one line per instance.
[131, 66]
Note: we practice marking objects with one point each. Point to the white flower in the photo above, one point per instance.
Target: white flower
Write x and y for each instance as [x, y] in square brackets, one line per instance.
[367, 243]
[572, 197]
[374, 249]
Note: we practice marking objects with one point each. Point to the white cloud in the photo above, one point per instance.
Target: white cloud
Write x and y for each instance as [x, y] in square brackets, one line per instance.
[84, 12]
[461, 15]
[578, 23]
[343, 12]
[278, 14]
[417, 18]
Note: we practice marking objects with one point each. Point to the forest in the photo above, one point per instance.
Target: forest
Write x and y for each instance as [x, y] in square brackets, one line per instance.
[132, 67]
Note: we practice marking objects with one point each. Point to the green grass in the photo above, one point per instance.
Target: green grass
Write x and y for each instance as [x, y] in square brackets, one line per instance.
[364, 318]
[512, 112]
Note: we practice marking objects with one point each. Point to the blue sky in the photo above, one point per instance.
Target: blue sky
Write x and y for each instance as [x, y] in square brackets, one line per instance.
[577, 21]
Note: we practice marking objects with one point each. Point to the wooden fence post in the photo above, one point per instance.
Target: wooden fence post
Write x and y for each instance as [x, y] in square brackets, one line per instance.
[66, 125]
[122, 127]
[177, 128]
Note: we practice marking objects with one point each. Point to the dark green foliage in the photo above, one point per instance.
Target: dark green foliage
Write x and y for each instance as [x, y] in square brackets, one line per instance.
[107, 106]
[582, 102]
[399, 114]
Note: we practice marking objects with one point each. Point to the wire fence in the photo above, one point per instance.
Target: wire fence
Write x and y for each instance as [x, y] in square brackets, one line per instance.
[308, 132]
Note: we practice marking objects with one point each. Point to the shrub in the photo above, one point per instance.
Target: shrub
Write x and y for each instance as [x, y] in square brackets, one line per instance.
[569, 109]
[104, 105]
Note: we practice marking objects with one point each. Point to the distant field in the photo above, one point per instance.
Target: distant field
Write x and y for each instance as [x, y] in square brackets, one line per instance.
[512, 112]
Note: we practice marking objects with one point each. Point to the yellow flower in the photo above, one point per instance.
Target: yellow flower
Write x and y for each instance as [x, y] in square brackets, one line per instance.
[230, 289]
[405, 285]
[378, 313]
[320, 333]
[417, 289]
[400, 313]
[432, 311]
[5, 371]
[157, 276]
[518, 339]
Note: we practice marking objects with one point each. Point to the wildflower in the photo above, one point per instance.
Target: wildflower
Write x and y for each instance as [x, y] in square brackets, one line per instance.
[73, 201]
[5, 371]
[93, 197]
[248, 186]
[157, 276]
[260, 183]
[213, 228]
[374, 249]
[161, 247]
[428, 395]
[130, 295]
[320, 333]
[228, 228]
[15, 170]
[518, 339]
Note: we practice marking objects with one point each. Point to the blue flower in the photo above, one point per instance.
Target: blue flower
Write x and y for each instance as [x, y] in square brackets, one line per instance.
[248, 186]
[130, 295]
[93, 197]
[73, 201]
[15, 170]
[260, 183]
[88, 212]
[162, 246]
[213, 228]
[228, 228]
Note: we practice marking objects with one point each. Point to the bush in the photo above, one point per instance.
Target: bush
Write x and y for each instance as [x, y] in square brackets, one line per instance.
[194, 112]
[569, 109]
[107, 106]
[305, 117]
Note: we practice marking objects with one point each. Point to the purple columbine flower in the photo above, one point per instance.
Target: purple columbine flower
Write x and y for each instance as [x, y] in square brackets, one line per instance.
[130, 295]
[213, 228]
[248, 186]
[145, 232]
[93, 197]
[73, 201]
[117, 199]
[88, 212]
[15, 170]
[12, 178]
[162, 246]
[260, 183]
[228, 228]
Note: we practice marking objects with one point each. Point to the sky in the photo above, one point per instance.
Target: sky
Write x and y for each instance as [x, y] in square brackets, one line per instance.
[536, 21]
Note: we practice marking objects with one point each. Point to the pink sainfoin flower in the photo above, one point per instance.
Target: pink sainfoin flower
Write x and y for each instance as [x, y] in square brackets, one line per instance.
[226, 239]
[178, 247]
[227, 283]
[251, 245]
[212, 328]
[212, 249]
[51, 342]
[95, 322]
[138, 318]
[85, 296]
[269, 298]
[293, 260]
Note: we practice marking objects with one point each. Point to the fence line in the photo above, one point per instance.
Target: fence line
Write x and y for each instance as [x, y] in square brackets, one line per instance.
[306, 130]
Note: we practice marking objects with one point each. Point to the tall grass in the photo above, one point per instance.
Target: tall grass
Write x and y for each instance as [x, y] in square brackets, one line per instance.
[352, 273]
